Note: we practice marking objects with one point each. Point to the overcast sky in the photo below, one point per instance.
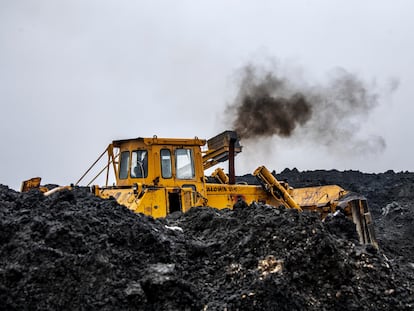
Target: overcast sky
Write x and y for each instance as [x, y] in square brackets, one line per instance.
[77, 74]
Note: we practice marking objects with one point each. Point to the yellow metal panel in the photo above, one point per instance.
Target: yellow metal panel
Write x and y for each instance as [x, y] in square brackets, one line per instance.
[151, 203]
[316, 196]
[225, 196]
[187, 199]
[154, 201]
[174, 141]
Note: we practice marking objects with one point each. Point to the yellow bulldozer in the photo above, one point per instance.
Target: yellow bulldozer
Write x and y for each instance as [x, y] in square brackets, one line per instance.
[158, 176]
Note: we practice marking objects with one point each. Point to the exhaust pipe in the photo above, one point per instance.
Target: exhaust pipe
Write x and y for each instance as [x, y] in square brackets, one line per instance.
[232, 172]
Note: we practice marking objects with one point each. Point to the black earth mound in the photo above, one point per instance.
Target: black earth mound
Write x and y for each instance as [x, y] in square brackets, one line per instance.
[74, 251]
[391, 201]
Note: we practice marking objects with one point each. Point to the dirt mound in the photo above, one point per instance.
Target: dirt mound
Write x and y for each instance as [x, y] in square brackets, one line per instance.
[263, 258]
[73, 250]
[391, 201]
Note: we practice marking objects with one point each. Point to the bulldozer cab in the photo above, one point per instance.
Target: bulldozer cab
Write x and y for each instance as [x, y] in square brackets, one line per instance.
[156, 176]
[164, 162]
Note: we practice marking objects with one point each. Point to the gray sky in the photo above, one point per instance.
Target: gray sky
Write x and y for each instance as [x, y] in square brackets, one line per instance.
[76, 74]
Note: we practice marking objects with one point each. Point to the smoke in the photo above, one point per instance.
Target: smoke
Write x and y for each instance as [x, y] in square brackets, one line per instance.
[269, 104]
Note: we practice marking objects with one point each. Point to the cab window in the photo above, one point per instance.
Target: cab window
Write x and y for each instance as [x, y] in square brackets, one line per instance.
[166, 171]
[184, 163]
[139, 164]
[123, 165]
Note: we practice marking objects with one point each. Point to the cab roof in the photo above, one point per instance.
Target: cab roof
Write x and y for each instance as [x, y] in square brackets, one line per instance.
[161, 141]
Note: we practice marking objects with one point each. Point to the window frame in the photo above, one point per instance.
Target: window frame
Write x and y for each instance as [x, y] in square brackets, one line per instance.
[122, 165]
[145, 163]
[162, 164]
[191, 163]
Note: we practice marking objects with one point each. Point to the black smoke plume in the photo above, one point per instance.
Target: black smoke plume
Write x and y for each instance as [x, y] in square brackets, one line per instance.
[269, 104]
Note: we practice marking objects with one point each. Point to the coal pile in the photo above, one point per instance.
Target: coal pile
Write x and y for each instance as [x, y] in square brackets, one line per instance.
[391, 201]
[73, 250]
